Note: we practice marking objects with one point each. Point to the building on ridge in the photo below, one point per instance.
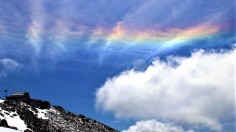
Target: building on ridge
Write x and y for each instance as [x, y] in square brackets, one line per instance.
[25, 97]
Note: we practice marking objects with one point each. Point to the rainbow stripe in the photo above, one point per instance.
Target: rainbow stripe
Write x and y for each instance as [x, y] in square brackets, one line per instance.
[120, 35]
[170, 37]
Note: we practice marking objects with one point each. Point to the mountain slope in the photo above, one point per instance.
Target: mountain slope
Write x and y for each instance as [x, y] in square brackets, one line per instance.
[54, 119]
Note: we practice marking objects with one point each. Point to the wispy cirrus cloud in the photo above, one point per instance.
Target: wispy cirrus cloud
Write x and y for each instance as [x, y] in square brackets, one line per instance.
[104, 29]
[37, 26]
[8, 66]
[170, 13]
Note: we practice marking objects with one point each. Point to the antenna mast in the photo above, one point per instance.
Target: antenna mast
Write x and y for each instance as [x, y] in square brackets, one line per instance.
[6, 93]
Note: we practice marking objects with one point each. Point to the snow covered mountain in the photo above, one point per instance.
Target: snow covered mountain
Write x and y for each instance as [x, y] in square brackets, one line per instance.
[25, 117]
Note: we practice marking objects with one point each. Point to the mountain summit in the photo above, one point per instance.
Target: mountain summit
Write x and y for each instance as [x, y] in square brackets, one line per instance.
[22, 113]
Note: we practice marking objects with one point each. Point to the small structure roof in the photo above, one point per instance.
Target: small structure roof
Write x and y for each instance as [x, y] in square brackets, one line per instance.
[20, 94]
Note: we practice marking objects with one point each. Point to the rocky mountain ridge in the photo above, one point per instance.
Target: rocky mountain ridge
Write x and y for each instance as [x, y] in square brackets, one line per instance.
[25, 117]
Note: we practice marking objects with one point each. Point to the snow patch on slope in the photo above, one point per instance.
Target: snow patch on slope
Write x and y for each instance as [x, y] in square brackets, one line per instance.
[3, 129]
[13, 119]
[42, 113]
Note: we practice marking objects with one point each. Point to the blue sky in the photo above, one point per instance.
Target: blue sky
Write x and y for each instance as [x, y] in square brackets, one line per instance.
[99, 58]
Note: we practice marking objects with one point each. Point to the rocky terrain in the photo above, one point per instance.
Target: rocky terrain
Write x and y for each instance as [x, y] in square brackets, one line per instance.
[24, 117]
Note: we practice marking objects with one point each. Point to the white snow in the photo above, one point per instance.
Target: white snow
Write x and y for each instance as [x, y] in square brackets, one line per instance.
[13, 119]
[31, 110]
[53, 110]
[3, 129]
[42, 113]
[1, 101]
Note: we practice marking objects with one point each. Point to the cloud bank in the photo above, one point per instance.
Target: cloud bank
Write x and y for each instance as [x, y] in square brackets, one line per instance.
[154, 126]
[198, 90]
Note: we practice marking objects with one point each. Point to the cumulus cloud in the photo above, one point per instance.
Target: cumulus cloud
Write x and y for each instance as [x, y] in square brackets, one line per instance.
[8, 66]
[198, 90]
[154, 126]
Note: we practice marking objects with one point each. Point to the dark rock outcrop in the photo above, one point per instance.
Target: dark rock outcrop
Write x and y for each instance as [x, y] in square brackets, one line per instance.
[3, 123]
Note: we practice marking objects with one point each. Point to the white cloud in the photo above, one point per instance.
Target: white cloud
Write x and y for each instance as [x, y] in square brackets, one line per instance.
[8, 66]
[154, 126]
[198, 90]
